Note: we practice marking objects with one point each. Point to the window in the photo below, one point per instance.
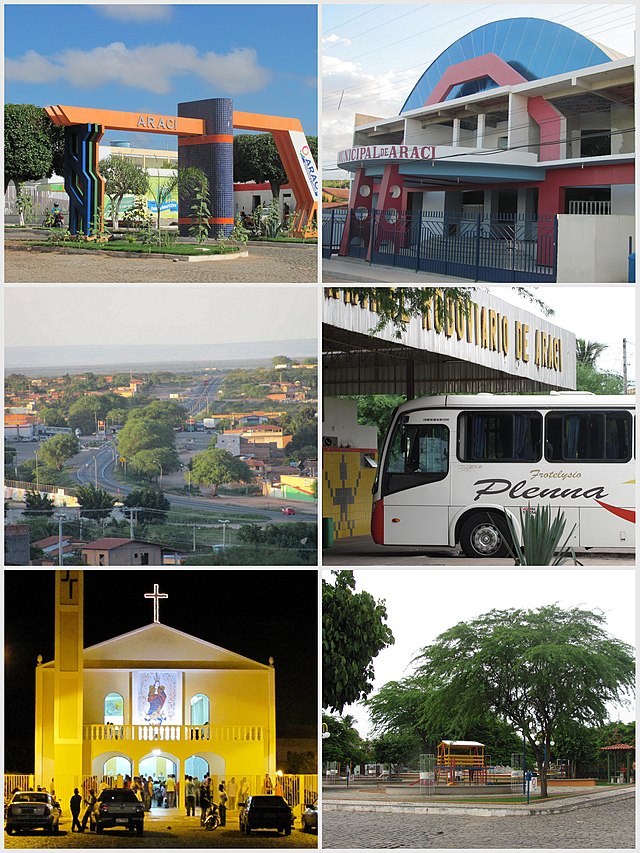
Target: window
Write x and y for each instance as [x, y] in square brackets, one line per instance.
[500, 436]
[199, 710]
[418, 453]
[114, 709]
[588, 436]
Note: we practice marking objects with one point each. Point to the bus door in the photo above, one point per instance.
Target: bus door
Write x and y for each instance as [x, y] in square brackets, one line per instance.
[415, 480]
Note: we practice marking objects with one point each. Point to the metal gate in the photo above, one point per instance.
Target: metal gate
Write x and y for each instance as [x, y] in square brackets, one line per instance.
[481, 247]
[333, 221]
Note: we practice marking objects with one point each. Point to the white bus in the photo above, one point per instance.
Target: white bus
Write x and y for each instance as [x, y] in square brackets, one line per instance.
[452, 467]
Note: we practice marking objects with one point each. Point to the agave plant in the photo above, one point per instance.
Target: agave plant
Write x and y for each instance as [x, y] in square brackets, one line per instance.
[541, 535]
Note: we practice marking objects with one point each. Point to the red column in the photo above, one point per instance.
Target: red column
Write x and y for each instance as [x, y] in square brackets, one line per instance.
[390, 177]
[357, 200]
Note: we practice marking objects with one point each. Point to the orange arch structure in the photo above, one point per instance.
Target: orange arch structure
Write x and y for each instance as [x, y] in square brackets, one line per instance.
[87, 125]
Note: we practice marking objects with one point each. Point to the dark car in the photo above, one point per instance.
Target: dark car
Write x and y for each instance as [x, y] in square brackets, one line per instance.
[119, 807]
[309, 818]
[266, 812]
[33, 810]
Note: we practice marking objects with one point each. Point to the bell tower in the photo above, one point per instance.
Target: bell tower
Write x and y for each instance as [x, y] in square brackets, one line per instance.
[68, 681]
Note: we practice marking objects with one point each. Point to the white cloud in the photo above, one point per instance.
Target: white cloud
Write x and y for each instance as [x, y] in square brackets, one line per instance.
[132, 12]
[149, 67]
[348, 89]
[334, 39]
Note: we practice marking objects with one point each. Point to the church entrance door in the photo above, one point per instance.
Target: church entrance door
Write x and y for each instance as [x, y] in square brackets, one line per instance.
[160, 767]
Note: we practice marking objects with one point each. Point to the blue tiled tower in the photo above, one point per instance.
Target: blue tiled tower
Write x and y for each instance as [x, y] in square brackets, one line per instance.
[213, 154]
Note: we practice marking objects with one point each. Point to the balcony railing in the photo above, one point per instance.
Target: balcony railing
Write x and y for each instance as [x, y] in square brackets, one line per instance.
[108, 732]
[590, 208]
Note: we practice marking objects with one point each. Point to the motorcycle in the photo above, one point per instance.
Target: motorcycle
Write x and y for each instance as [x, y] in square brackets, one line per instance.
[211, 818]
[54, 219]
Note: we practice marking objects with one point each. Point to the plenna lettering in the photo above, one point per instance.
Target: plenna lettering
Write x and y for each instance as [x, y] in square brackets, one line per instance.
[519, 491]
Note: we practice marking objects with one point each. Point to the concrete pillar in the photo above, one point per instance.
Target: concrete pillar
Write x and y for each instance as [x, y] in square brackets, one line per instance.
[482, 117]
[456, 133]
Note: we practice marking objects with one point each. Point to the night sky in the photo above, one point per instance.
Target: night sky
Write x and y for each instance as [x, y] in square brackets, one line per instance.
[257, 614]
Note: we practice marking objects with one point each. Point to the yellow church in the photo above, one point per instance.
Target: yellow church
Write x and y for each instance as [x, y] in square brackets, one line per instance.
[154, 701]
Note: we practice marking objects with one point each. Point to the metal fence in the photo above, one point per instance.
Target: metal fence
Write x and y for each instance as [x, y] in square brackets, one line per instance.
[481, 247]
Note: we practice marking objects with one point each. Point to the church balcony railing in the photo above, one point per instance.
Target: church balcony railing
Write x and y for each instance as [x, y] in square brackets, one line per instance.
[168, 732]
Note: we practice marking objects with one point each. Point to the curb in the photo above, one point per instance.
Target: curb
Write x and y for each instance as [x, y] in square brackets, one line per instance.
[484, 810]
[62, 250]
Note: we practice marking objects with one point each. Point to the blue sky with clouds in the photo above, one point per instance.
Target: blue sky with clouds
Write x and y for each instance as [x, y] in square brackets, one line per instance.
[149, 57]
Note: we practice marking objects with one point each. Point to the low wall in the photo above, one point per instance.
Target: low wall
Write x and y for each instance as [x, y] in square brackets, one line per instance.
[593, 248]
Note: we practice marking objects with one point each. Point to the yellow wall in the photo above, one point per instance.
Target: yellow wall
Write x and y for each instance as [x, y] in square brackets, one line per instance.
[346, 490]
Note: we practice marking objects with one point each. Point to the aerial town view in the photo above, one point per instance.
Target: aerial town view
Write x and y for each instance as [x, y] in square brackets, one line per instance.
[175, 459]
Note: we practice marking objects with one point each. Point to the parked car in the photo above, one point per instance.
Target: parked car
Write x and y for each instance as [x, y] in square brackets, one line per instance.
[288, 510]
[309, 818]
[266, 812]
[119, 807]
[33, 810]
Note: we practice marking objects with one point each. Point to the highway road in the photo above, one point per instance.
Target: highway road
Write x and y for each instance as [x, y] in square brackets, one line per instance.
[99, 467]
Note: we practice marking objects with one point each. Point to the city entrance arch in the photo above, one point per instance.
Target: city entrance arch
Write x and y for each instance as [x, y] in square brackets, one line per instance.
[205, 140]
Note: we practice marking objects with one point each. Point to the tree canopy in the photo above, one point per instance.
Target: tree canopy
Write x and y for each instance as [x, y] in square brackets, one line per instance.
[214, 467]
[56, 450]
[534, 669]
[122, 177]
[354, 631]
[95, 503]
[256, 158]
[33, 145]
[344, 744]
[151, 503]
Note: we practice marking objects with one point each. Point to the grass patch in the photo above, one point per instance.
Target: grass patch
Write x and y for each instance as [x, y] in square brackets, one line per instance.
[123, 246]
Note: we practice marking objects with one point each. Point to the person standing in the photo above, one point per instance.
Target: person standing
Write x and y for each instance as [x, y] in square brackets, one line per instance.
[204, 800]
[190, 796]
[222, 804]
[267, 786]
[75, 804]
[90, 803]
[232, 791]
[171, 791]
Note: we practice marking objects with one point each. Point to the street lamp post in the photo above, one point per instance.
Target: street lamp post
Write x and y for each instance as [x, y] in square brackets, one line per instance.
[224, 522]
[61, 518]
[95, 469]
[37, 475]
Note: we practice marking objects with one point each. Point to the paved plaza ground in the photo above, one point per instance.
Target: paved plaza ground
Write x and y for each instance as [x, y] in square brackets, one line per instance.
[266, 263]
[601, 824]
[162, 829]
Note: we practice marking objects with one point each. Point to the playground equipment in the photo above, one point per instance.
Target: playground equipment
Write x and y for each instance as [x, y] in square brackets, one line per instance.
[461, 762]
[205, 140]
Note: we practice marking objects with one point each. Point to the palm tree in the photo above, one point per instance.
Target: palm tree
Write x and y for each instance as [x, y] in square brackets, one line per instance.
[588, 352]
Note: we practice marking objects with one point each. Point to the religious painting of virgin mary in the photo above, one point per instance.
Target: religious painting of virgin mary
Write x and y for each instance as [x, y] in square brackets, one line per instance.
[157, 697]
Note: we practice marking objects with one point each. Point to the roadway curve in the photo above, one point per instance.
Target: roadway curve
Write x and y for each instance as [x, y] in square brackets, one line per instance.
[103, 467]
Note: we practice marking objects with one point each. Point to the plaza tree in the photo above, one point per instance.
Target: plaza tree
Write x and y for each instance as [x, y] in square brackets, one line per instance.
[95, 503]
[354, 631]
[184, 183]
[33, 145]
[344, 744]
[122, 177]
[214, 467]
[56, 450]
[256, 158]
[588, 376]
[534, 669]
[396, 749]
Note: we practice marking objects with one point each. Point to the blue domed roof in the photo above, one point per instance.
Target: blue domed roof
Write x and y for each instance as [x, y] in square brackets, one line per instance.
[531, 46]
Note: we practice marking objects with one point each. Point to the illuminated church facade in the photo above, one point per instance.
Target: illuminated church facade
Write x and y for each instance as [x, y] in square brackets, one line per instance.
[154, 701]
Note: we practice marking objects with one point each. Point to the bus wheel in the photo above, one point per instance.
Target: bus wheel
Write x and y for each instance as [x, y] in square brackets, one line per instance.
[484, 536]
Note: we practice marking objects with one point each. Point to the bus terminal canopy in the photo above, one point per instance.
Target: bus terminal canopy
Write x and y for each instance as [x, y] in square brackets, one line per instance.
[489, 346]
